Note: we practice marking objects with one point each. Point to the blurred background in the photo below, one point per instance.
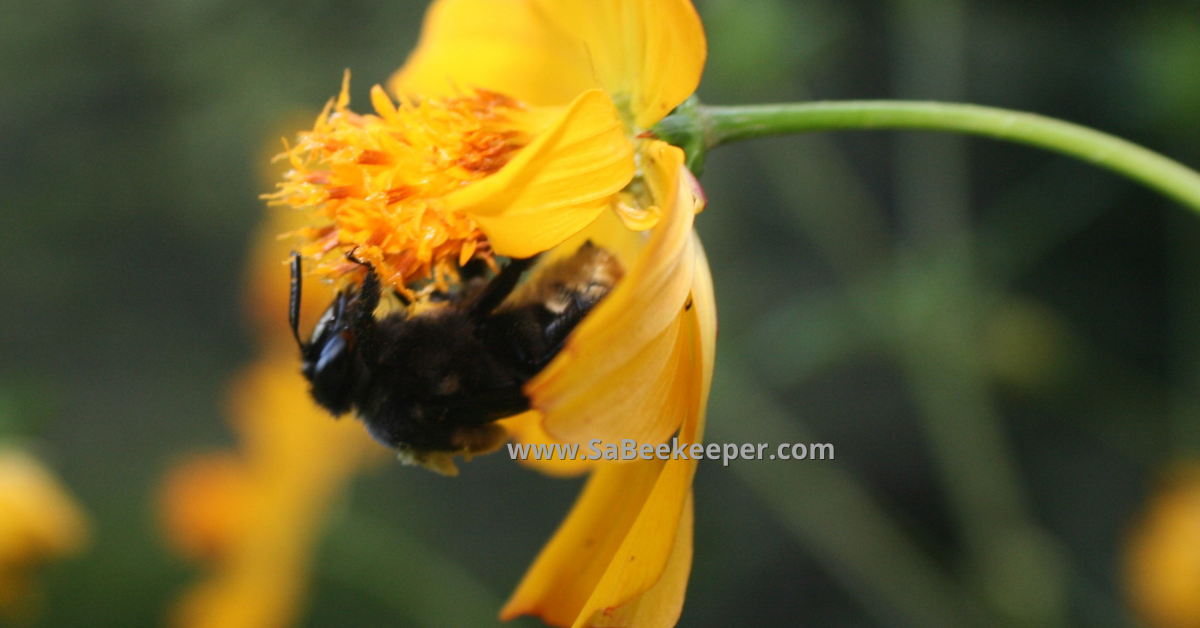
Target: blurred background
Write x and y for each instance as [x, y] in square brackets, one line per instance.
[1002, 345]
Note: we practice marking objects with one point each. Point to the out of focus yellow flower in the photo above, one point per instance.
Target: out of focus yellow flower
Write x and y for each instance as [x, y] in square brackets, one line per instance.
[253, 515]
[1162, 557]
[38, 522]
[516, 128]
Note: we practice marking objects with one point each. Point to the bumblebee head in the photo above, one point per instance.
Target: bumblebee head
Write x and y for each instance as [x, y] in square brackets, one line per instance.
[327, 359]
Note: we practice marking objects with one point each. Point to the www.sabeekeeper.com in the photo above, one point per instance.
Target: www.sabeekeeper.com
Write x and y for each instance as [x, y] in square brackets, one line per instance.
[630, 450]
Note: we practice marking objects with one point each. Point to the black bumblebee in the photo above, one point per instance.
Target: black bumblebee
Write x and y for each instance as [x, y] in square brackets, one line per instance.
[430, 384]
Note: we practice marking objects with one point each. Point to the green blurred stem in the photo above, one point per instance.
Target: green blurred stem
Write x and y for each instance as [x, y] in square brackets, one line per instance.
[862, 545]
[721, 125]
[405, 575]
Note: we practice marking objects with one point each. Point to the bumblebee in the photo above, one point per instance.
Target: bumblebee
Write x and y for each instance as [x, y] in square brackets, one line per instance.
[431, 381]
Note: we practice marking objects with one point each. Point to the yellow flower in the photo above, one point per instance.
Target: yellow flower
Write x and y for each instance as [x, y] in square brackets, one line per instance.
[516, 129]
[521, 129]
[38, 522]
[1162, 557]
[254, 515]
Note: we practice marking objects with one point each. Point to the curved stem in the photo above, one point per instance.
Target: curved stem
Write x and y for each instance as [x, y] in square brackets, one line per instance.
[721, 125]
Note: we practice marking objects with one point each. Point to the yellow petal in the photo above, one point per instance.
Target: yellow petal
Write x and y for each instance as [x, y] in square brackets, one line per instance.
[609, 232]
[623, 363]
[649, 53]
[640, 537]
[204, 503]
[296, 459]
[500, 45]
[642, 558]
[660, 606]
[283, 432]
[638, 401]
[564, 575]
[704, 305]
[644, 555]
[38, 519]
[1162, 554]
[557, 185]
[526, 428]
[636, 219]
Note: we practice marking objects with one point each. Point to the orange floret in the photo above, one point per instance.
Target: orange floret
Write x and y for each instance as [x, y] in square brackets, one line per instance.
[377, 182]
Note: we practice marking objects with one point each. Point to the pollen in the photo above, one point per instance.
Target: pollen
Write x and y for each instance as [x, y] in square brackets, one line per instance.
[375, 183]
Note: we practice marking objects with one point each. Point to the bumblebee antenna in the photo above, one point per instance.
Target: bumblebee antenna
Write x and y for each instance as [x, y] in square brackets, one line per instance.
[294, 301]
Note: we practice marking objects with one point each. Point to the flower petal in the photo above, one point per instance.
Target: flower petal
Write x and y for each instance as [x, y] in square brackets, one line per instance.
[621, 367]
[526, 428]
[205, 502]
[649, 53]
[39, 521]
[499, 45]
[296, 459]
[557, 185]
[564, 575]
[636, 219]
[625, 549]
[704, 304]
[645, 554]
[1162, 553]
[639, 400]
[642, 558]
[661, 605]
[609, 232]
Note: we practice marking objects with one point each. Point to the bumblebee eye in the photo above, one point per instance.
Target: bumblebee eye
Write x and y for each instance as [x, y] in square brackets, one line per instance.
[326, 319]
[331, 320]
[330, 369]
[336, 348]
[331, 351]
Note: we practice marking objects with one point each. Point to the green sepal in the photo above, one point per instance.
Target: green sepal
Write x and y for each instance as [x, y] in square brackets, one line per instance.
[684, 127]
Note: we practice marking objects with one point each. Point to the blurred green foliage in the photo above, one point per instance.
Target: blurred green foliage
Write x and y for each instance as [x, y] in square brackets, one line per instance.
[1001, 344]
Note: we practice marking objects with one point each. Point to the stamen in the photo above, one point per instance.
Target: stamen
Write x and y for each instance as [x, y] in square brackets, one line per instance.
[375, 183]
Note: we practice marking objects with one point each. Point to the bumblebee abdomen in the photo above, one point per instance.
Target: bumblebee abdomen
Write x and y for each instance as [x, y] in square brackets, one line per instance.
[435, 375]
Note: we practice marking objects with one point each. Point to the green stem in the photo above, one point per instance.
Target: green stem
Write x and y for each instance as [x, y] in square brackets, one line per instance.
[405, 575]
[721, 125]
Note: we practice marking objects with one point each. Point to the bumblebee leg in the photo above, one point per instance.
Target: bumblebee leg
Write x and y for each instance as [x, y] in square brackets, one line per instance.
[500, 287]
[529, 336]
[362, 316]
[526, 335]
[474, 269]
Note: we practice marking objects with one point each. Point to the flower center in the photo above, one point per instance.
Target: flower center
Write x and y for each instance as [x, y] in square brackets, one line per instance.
[376, 183]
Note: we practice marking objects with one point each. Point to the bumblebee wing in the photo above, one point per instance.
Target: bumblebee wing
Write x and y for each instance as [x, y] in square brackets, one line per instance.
[529, 329]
